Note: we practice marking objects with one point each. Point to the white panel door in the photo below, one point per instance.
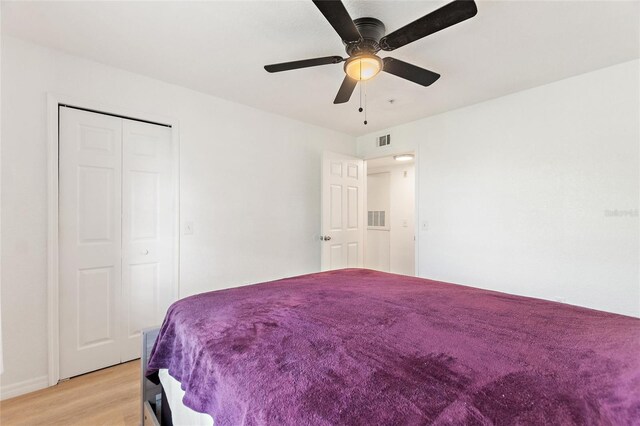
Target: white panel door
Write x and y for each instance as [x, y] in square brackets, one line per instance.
[342, 211]
[90, 241]
[148, 207]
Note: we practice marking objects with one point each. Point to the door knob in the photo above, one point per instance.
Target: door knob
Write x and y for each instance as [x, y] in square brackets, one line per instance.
[144, 252]
[326, 238]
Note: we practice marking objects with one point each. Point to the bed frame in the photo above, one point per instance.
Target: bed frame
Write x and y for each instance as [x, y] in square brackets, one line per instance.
[154, 409]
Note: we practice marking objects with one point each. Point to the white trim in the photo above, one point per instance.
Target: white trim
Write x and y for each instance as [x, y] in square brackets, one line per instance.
[53, 101]
[52, 238]
[416, 210]
[365, 200]
[26, 386]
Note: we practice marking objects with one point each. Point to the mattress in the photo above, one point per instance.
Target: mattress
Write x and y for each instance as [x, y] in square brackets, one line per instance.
[363, 347]
[180, 413]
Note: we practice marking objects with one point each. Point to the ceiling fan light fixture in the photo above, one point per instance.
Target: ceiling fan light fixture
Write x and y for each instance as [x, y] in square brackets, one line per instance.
[363, 67]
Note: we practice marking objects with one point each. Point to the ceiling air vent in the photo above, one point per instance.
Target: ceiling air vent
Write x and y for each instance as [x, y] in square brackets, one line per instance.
[383, 140]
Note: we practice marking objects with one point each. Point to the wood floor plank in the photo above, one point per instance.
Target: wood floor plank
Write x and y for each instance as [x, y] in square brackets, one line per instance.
[109, 397]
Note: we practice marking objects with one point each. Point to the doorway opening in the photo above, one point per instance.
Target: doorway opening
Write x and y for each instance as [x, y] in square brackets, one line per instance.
[390, 220]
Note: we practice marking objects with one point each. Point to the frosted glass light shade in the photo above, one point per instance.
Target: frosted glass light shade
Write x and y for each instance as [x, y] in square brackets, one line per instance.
[363, 67]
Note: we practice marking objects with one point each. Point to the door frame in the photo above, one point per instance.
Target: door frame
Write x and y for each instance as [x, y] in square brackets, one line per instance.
[54, 101]
[416, 219]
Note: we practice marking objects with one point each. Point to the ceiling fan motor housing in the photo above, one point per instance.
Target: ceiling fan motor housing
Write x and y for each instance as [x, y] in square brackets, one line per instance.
[371, 30]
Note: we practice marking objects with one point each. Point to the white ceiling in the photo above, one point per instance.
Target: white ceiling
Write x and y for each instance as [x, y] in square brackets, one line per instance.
[220, 48]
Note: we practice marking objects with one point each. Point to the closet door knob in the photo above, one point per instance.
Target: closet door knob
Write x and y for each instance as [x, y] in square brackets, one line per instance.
[145, 252]
[326, 238]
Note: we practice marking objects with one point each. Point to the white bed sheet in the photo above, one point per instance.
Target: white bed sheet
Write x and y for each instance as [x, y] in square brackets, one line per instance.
[180, 413]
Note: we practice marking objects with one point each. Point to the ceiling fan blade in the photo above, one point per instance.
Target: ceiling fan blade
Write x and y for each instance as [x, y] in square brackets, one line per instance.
[448, 15]
[305, 63]
[346, 89]
[339, 19]
[409, 72]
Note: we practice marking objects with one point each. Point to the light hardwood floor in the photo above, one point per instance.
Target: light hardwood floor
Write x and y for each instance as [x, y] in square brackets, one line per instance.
[106, 397]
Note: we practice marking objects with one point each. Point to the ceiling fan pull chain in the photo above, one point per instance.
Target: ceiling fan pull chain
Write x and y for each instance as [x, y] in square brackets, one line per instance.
[360, 109]
[365, 102]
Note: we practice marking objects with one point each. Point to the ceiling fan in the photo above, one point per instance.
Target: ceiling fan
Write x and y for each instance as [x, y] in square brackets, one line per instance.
[365, 37]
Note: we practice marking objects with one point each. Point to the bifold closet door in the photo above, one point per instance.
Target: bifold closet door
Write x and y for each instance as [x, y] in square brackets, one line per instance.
[90, 170]
[147, 230]
[117, 236]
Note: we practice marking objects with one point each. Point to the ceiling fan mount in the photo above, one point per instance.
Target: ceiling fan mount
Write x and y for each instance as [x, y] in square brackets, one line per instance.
[371, 31]
[365, 37]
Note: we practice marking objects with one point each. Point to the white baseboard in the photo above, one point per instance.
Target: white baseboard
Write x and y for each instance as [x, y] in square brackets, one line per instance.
[26, 386]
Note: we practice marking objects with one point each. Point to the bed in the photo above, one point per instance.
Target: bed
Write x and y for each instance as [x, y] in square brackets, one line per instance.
[356, 346]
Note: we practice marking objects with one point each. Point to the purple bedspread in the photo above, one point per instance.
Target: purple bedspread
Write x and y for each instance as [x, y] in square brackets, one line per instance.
[367, 348]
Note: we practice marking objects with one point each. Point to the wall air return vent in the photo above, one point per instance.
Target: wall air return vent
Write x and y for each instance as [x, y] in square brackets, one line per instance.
[383, 140]
[376, 218]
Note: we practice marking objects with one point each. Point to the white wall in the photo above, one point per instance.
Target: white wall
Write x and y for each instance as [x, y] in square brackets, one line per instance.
[250, 183]
[377, 254]
[402, 219]
[398, 244]
[515, 192]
